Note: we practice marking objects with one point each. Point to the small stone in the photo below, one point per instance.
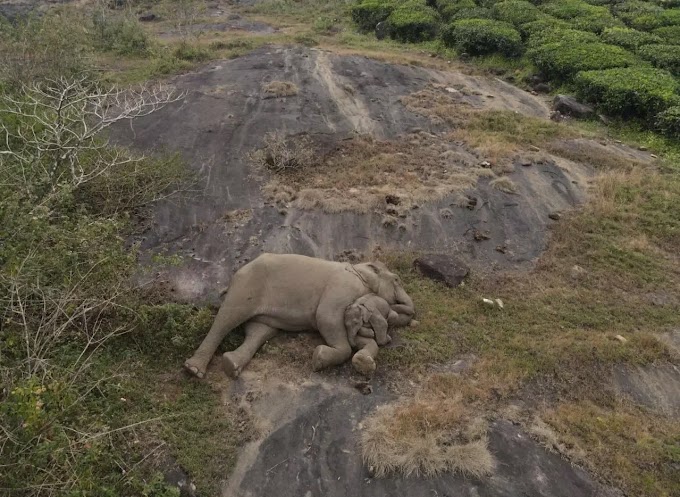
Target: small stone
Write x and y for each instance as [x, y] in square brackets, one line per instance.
[452, 90]
[542, 88]
[653, 156]
[413, 323]
[534, 148]
[489, 302]
[618, 141]
[502, 249]
[642, 148]
[480, 236]
[555, 216]
[577, 272]
[485, 164]
[499, 303]
[621, 339]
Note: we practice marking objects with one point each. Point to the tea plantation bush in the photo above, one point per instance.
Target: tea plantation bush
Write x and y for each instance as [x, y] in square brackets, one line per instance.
[483, 36]
[563, 60]
[515, 12]
[630, 39]
[449, 8]
[669, 34]
[662, 56]
[558, 35]
[582, 15]
[370, 12]
[668, 122]
[413, 22]
[629, 92]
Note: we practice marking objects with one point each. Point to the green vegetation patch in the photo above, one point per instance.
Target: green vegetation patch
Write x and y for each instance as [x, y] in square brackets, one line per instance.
[563, 60]
[515, 12]
[369, 13]
[545, 23]
[558, 35]
[449, 8]
[628, 92]
[670, 34]
[648, 22]
[662, 56]
[483, 36]
[668, 122]
[630, 39]
[413, 21]
[581, 15]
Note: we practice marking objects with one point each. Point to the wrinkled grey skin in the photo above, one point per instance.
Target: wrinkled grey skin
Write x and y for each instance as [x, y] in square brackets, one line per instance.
[277, 292]
[368, 317]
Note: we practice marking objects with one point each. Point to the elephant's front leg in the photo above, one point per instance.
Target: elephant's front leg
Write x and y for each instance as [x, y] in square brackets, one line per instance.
[364, 360]
[256, 335]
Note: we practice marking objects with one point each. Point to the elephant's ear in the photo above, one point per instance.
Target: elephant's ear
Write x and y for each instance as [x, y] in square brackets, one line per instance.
[376, 267]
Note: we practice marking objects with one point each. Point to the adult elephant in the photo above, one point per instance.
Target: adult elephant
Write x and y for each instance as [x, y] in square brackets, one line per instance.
[296, 293]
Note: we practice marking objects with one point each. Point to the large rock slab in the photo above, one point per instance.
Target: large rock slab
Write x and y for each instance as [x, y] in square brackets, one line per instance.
[569, 106]
[314, 452]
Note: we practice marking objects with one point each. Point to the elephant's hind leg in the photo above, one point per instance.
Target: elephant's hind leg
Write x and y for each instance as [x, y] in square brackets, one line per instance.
[332, 329]
[256, 335]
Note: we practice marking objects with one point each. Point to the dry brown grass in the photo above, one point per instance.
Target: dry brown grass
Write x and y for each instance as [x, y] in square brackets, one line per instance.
[277, 89]
[362, 172]
[437, 431]
[504, 184]
[592, 153]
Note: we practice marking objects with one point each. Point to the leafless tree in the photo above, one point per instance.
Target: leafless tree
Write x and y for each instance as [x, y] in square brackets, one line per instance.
[56, 138]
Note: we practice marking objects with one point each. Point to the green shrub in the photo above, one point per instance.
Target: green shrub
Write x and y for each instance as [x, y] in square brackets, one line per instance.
[668, 122]
[544, 23]
[581, 15]
[629, 10]
[564, 60]
[472, 13]
[413, 22]
[192, 53]
[121, 34]
[670, 34]
[630, 39]
[449, 8]
[483, 36]
[649, 22]
[628, 92]
[662, 56]
[515, 12]
[558, 35]
[368, 13]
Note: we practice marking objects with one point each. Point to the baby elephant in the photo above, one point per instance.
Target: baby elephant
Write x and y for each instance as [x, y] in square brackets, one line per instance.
[369, 316]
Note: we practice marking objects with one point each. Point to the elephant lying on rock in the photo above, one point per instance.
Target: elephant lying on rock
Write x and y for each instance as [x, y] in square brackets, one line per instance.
[295, 293]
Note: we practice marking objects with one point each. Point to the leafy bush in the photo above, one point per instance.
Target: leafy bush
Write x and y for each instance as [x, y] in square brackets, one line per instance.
[448, 8]
[670, 34]
[46, 47]
[121, 34]
[649, 22]
[472, 13]
[581, 15]
[668, 122]
[628, 92]
[630, 39]
[483, 36]
[544, 23]
[629, 10]
[564, 60]
[558, 35]
[368, 13]
[662, 56]
[515, 12]
[189, 52]
[413, 22]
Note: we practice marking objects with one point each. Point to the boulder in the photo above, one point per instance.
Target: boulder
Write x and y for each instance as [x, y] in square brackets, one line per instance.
[569, 106]
[444, 268]
[381, 30]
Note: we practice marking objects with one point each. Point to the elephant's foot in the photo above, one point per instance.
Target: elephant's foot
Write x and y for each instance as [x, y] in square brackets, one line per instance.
[363, 364]
[231, 364]
[193, 368]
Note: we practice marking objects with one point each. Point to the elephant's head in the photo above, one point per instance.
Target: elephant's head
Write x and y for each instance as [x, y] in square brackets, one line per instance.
[385, 284]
